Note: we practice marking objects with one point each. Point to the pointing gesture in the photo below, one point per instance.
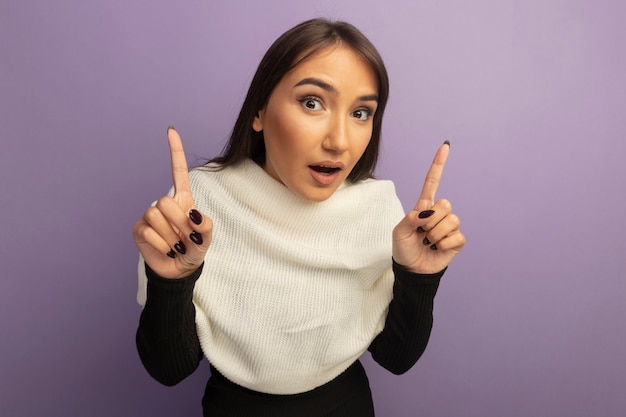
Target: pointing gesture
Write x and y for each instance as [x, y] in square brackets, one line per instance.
[180, 172]
[428, 238]
[433, 178]
[173, 236]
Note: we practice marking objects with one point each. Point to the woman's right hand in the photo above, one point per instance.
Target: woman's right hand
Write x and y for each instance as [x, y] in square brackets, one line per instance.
[173, 236]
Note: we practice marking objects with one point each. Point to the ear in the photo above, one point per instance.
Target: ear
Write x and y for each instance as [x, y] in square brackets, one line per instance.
[257, 123]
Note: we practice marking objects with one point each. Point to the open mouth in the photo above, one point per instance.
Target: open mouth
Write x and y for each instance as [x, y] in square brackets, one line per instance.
[322, 169]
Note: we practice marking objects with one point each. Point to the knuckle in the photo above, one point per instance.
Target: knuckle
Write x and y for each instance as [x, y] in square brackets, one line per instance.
[151, 214]
[137, 227]
[445, 205]
[141, 231]
[163, 202]
[144, 233]
[457, 241]
[455, 220]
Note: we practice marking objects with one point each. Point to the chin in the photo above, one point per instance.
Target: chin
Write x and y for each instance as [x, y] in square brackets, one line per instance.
[315, 195]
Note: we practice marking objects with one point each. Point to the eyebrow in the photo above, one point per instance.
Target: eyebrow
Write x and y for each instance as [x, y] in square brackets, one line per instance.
[325, 86]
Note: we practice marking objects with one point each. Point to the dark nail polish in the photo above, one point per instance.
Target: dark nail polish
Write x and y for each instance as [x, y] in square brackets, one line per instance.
[425, 214]
[447, 142]
[195, 216]
[196, 238]
[180, 247]
[421, 230]
[171, 254]
[170, 127]
[426, 241]
[433, 247]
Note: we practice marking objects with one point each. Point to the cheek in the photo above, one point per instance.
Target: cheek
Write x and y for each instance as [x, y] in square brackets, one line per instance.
[364, 140]
[273, 134]
[288, 134]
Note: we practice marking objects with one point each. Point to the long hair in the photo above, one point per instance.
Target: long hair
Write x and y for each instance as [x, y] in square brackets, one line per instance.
[291, 48]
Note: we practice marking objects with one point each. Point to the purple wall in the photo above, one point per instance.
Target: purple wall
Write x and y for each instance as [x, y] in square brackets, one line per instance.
[529, 320]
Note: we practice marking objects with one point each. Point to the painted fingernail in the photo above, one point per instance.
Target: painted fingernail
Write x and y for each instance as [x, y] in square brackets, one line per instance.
[171, 127]
[447, 142]
[433, 247]
[426, 241]
[172, 254]
[425, 214]
[421, 230]
[180, 247]
[195, 216]
[196, 238]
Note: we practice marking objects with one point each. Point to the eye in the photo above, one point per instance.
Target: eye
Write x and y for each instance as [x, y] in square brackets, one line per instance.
[362, 114]
[311, 103]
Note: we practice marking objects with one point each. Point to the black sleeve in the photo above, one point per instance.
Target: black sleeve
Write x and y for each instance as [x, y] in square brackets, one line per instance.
[167, 341]
[409, 320]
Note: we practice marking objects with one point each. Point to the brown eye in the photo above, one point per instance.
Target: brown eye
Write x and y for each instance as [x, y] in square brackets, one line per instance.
[361, 114]
[311, 103]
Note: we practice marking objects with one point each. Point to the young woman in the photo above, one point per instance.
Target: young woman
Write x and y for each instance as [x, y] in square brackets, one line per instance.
[283, 260]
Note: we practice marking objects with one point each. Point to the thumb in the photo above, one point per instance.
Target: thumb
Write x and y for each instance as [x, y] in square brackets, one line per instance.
[412, 222]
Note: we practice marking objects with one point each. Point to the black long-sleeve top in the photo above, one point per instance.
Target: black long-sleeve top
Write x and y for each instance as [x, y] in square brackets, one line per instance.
[169, 347]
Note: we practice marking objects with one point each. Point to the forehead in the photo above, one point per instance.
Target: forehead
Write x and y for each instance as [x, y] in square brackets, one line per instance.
[334, 61]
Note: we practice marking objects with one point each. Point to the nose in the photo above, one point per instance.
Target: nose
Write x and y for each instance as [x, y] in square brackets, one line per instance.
[337, 137]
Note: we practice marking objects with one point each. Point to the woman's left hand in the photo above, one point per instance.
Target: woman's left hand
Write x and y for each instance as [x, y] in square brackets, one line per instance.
[428, 238]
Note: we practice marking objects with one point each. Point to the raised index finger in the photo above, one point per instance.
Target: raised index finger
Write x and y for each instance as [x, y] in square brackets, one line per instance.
[180, 172]
[433, 178]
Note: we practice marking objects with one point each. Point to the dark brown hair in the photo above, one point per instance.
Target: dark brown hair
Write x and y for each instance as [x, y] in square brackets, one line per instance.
[291, 48]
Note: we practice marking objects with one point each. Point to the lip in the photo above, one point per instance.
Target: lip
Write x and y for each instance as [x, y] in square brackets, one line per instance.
[329, 164]
[326, 179]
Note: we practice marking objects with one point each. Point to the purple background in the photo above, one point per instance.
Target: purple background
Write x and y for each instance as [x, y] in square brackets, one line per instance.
[529, 319]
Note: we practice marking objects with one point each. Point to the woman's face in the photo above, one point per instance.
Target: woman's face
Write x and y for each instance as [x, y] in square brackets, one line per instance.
[318, 122]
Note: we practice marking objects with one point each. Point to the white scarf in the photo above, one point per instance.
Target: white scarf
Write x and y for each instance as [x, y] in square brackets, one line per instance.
[292, 291]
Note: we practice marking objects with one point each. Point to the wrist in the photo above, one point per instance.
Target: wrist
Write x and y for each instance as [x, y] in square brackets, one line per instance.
[192, 274]
[417, 270]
